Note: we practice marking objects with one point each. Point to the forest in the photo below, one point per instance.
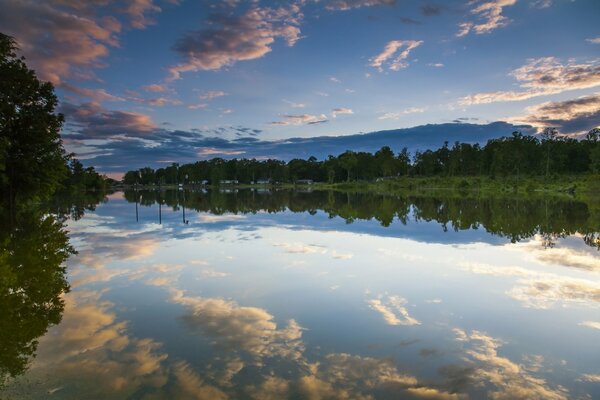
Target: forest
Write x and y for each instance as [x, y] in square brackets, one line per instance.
[548, 154]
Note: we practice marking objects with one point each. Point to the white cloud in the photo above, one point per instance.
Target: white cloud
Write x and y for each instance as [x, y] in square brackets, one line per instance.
[390, 50]
[397, 115]
[590, 324]
[212, 94]
[543, 76]
[594, 40]
[393, 311]
[489, 17]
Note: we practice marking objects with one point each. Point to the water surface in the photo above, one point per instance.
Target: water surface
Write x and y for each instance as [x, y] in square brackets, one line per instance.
[270, 295]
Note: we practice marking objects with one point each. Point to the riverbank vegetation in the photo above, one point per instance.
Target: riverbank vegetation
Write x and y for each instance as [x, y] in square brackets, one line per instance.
[518, 162]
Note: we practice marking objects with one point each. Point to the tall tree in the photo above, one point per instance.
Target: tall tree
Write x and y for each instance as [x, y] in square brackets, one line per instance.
[32, 158]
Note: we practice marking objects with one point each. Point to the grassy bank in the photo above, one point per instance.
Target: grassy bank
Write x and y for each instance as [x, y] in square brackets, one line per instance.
[581, 186]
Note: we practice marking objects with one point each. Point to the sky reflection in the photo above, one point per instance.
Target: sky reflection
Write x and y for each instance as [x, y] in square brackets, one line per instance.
[267, 305]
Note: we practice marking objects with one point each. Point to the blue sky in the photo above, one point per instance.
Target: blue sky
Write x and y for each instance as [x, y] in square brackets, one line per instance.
[141, 78]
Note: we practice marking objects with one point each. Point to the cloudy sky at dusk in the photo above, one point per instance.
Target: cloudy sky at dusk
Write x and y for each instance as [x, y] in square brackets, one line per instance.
[149, 82]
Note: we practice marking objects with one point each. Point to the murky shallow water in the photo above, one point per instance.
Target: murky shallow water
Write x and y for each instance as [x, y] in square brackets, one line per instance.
[274, 295]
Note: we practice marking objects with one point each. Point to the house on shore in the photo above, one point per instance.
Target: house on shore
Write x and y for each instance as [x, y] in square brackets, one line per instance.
[229, 182]
[304, 181]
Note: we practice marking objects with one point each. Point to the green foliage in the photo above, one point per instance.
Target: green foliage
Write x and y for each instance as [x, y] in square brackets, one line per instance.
[517, 156]
[32, 159]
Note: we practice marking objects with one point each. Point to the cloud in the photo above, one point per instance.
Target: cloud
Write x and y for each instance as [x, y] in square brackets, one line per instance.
[69, 39]
[594, 40]
[212, 152]
[347, 376]
[338, 111]
[541, 4]
[212, 94]
[575, 116]
[72, 44]
[345, 5]
[301, 248]
[197, 106]
[543, 76]
[388, 52]
[590, 324]
[542, 290]
[302, 119]
[237, 38]
[237, 328]
[489, 15]
[91, 120]
[272, 388]
[590, 378]
[436, 65]
[393, 311]
[508, 379]
[162, 101]
[96, 95]
[90, 339]
[157, 88]
[137, 11]
[294, 105]
[334, 79]
[397, 115]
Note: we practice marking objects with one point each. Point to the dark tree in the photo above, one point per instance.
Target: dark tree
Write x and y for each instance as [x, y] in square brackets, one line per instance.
[32, 158]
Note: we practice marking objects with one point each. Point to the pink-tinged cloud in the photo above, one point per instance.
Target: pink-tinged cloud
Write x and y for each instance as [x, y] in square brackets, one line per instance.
[543, 76]
[488, 16]
[64, 39]
[199, 106]
[138, 10]
[402, 47]
[95, 95]
[339, 111]
[73, 45]
[302, 119]
[92, 121]
[156, 88]
[237, 38]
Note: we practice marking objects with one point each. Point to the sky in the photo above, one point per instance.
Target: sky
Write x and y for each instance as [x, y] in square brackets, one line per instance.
[151, 82]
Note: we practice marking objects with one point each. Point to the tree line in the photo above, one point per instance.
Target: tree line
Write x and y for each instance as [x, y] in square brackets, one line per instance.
[521, 155]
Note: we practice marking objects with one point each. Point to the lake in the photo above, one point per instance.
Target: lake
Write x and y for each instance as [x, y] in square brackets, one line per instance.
[306, 295]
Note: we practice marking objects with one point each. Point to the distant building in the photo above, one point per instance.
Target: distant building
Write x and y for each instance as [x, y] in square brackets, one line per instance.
[305, 181]
[204, 182]
[229, 182]
[263, 182]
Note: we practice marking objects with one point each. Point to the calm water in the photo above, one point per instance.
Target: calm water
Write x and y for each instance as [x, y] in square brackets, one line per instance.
[273, 295]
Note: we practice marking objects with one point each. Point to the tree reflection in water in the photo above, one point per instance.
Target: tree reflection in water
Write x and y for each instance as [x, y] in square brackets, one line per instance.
[33, 249]
[512, 217]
